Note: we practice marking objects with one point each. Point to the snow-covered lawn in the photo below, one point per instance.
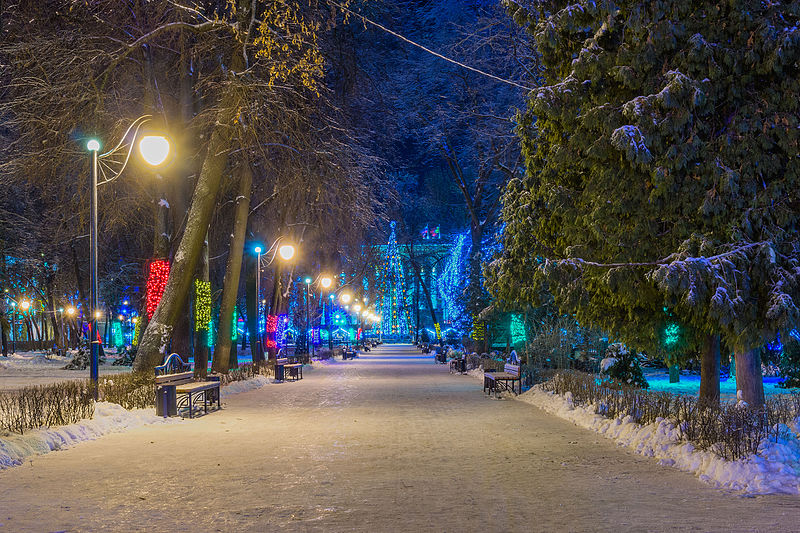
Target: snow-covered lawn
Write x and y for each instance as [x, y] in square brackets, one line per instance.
[108, 418]
[23, 369]
[690, 384]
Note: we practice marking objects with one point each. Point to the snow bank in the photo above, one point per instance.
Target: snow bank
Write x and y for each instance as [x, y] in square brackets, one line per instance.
[243, 386]
[775, 470]
[108, 418]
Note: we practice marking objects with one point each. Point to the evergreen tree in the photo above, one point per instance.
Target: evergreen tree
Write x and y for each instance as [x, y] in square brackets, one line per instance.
[662, 171]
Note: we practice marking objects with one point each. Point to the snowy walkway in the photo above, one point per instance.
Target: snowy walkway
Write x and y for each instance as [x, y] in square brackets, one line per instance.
[387, 442]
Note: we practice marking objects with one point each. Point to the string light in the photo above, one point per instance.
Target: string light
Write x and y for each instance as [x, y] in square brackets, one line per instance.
[156, 283]
[136, 330]
[235, 325]
[116, 334]
[452, 281]
[517, 329]
[271, 329]
[202, 304]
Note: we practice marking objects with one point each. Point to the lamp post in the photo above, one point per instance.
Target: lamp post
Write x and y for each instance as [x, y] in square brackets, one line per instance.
[154, 149]
[326, 283]
[285, 252]
[307, 281]
[258, 251]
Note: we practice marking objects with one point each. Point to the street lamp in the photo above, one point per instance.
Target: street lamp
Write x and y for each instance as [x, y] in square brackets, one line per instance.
[285, 252]
[154, 149]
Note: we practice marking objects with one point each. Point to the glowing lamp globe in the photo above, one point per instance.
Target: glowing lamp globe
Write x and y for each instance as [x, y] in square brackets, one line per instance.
[307, 281]
[70, 311]
[257, 249]
[154, 149]
[345, 298]
[325, 282]
[93, 145]
[24, 305]
[286, 252]
[357, 308]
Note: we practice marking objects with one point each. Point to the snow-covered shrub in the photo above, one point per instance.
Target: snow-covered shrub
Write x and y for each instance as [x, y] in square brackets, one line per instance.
[135, 390]
[621, 367]
[126, 356]
[324, 354]
[455, 354]
[730, 430]
[82, 358]
[57, 404]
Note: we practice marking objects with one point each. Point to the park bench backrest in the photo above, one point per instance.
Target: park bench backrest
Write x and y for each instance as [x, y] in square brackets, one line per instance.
[511, 369]
[283, 361]
[173, 364]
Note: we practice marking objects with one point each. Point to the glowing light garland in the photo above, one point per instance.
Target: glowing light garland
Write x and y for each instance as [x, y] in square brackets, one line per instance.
[280, 332]
[271, 330]
[438, 331]
[136, 330]
[202, 305]
[478, 329]
[235, 325]
[672, 334]
[116, 334]
[156, 283]
[517, 329]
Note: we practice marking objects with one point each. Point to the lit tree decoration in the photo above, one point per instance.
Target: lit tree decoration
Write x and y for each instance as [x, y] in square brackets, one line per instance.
[235, 325]
[202, 305]
[453, 279]
[438, 329]
[392, 291]
[156, 282]
[280, 332]
[672, 334]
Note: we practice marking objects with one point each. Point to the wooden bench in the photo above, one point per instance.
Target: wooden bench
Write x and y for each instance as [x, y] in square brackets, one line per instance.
[494, 381]
[176, 388]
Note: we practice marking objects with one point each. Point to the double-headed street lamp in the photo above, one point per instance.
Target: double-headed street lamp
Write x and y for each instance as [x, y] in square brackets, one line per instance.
[154, 150]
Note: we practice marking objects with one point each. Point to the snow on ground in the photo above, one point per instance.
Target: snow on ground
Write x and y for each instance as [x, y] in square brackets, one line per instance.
[775, 470]
[108, 418]
[23, 369]
[690, 384]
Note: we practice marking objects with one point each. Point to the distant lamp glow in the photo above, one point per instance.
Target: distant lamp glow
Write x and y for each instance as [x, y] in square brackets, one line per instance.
[24, 305]
[135, 320]
[357, 308]
[121, 317]
[307, 281]
[257, 249]
[154, 149]
[97, 314]
[93, 145]
[325, 282]
[345, 297]
[125, 302]
[286, 252]
[70, 311]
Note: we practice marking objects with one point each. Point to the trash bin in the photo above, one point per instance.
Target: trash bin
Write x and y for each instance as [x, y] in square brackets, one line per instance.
[279, 372]
[166, 401]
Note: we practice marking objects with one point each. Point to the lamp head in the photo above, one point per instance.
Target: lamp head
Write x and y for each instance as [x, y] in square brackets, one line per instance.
[357, 308]
[257, 249]
[286, 252]
[345, 297]
[24, 305]
[325, 282]
[93, 145]
[154, 149]
[307, 280]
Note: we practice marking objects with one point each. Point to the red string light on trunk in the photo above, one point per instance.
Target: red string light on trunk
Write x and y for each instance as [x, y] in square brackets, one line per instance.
[156, 283]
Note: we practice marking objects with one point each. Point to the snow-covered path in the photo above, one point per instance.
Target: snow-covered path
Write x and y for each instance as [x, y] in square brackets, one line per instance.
[387, 442]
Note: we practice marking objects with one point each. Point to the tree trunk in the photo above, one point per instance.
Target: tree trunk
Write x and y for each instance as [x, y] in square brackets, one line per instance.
[157, 335]
[749, 380]
[426, 291]
[674, 373]
[233, 269]
[709, 372]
